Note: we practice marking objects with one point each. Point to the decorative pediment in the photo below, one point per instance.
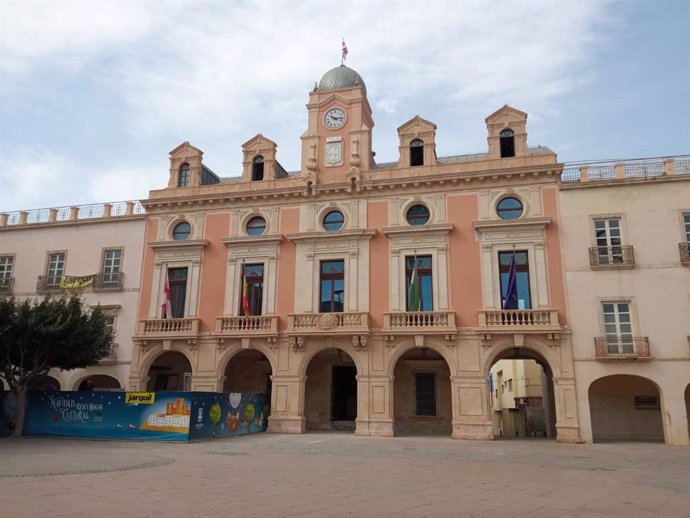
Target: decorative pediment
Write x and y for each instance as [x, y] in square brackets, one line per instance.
[419, 134]
[417, 126]
[260, 152]
[187, 154]
[506, 113]
[504, 119]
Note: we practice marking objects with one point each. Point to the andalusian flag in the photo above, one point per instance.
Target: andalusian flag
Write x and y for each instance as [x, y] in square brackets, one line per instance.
[413, 302]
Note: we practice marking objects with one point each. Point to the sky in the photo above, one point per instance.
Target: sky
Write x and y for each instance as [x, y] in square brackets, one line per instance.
[94, 94]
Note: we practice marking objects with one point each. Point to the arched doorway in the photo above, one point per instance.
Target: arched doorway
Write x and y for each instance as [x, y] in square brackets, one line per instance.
[99, 382]
[421, 394]
[625, 408]
[521, 395]
[170, 371]
[330, 399]
[248, 371]
[45, 382]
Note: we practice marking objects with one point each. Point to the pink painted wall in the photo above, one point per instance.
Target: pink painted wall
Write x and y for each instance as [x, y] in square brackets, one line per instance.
[285, 298]
[213, 271]
[464, 258]
[379, 266]
[553, 254]
[147, 269]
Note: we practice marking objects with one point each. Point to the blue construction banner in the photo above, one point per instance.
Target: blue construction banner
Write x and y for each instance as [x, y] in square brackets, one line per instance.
[160, 416]
[224, 414]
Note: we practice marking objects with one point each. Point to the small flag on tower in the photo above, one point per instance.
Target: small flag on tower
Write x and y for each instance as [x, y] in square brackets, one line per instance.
[344, 52]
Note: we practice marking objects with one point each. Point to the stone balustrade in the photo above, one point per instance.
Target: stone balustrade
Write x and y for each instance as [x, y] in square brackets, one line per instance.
[416, 321]
[169, 327]
[326, 323]
[519, 319]
[72, 213]
[247, 325]
[629, 169]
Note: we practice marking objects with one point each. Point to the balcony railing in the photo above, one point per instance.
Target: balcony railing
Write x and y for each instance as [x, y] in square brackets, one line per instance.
[6, 284]
[48, 282]
[684, 249]
[620, 256]
[622, 347]
[112, 354]
[109, 281]
[539, 319]
[249, 325]
[327, 323]
[169, 327]
[416, 321]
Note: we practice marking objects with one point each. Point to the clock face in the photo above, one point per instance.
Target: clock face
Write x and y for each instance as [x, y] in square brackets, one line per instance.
[334, 118]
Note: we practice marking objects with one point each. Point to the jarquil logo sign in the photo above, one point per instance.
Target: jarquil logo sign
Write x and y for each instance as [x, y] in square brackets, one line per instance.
[140, 398]
[71, 281]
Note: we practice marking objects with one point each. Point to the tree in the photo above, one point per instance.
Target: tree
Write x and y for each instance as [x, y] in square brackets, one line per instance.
[40, 335]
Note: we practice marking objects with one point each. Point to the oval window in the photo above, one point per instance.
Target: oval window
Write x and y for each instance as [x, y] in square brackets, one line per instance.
[418, 215]
[182, 231]
[509, 208]
[333, 221]
[256, 226]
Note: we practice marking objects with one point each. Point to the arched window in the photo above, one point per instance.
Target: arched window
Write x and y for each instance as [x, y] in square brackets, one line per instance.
[183, 179]
[418, 215]
[182, 231]
[257, 168]
[416, 152]
[507, 139]
[256, 226]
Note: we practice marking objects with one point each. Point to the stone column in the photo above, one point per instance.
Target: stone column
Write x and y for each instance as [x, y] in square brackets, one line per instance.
[287, 404]
[375, 406]
[471, 419]
[567, 427]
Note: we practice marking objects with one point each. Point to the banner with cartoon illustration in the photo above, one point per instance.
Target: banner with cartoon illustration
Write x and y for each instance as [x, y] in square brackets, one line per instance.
[224, 414]
[160, 416]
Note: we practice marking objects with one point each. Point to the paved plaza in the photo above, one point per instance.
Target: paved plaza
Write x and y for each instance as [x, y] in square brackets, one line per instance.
[337, 474]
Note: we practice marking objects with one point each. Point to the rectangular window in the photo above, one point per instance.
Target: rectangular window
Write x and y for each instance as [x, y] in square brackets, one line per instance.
[521, 275]
[686, 223]
[608, 239]
[6, 265]
[254, 275]
[112, 264]
[332, 293]
[425, 391]
[646, 402]
[55, 270]
[510, 385]
[177, 281]
[425, 280]
[618, 327]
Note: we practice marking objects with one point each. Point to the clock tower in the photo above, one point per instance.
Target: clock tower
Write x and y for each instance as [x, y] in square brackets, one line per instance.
[337, 144]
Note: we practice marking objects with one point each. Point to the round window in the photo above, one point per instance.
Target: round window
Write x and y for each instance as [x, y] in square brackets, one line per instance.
[418, 215]
[256, 226]
[182, 231]
[509, 208]
[333, 221]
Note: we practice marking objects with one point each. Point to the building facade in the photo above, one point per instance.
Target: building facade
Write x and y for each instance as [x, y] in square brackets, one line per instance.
[102, 245]
[360, 295]
[625, 229]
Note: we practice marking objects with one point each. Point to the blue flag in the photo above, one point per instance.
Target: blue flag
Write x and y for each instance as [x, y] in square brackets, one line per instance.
[510, 300]
[413, 300]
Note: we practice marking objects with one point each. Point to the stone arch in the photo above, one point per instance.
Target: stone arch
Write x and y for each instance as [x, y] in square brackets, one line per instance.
[101, 381]
[230, 352]
[312, 351]
[45, 382]
[177, 384]
[626, 407]
[408, 344]
[528, 413]
[146, 361]
[251, 377]
[331, 387]
[535, 349]
[421, 390]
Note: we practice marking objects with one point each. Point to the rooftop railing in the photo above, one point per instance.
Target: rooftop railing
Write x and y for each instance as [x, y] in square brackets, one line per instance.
[72, 213]
[626, 169]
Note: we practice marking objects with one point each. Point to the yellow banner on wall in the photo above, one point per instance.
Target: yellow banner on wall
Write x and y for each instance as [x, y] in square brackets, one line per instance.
[140, 398]
[71, 281]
